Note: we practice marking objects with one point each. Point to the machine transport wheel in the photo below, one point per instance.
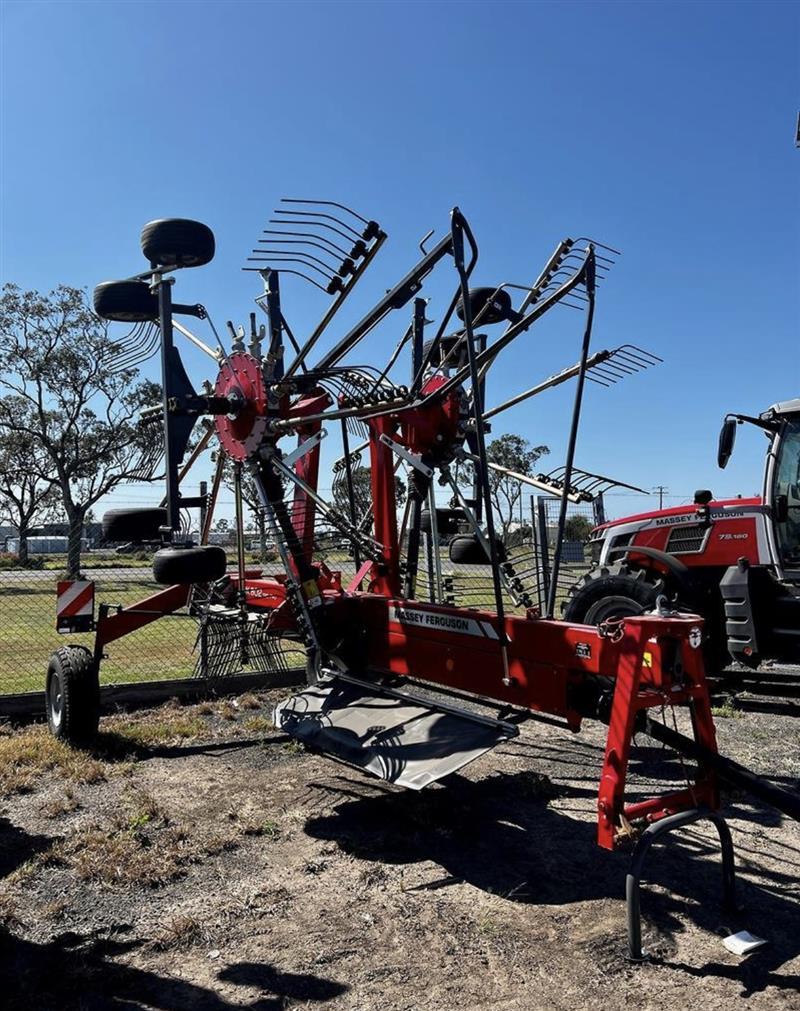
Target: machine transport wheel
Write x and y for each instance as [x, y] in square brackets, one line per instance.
[72, 695]
[178, 242]
[613, 591]
[497, 307]
[125, 301]
[448, 521]
[205, 563]
[133, 524]
[466, 549]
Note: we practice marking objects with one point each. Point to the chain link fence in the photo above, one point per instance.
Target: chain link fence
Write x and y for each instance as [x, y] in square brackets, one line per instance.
[172, 647]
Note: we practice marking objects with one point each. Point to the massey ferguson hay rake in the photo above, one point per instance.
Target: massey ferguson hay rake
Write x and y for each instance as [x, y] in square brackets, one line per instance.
[405, 689]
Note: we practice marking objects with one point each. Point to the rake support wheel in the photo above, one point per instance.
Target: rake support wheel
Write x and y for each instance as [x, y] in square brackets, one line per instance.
[177, 242]
[133, 524]
[125, 302]
[205, 563]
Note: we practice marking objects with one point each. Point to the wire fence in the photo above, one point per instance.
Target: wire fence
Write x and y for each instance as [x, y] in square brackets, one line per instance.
[169, 648]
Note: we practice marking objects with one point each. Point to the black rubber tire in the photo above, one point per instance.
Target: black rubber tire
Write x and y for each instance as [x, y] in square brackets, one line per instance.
[630, 591]
[498, 309]
[125, 301]
[125, 525]
[72, 695]
[446, 345]
[448, 521]
[466, 549]
[177, 242]
[205, 563]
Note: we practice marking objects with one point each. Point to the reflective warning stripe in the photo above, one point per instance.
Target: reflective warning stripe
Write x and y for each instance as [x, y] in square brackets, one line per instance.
[75, 597]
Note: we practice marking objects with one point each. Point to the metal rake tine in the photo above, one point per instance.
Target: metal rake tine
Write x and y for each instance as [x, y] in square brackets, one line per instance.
[288, 259]
[291, 253]
[617, 369]
[314, 224]
[285, 270]
[309, 235]
[319, 214]
[600, 245]
[297, 242]
[633, 350]
[325, 203]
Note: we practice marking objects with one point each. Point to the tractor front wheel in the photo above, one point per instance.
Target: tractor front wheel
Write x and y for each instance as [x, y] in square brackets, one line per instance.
[72, 695]
[613, 591]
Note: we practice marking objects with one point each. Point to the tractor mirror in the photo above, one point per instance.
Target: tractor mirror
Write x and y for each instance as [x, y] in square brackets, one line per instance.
[727, 437]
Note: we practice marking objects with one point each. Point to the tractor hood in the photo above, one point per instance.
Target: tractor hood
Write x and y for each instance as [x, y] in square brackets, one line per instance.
[680, 514]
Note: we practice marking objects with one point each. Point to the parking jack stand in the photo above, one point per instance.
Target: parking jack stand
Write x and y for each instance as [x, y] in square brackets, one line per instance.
[651, 835]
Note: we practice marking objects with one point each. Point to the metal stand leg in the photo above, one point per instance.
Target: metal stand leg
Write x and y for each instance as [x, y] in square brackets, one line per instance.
[651, 835]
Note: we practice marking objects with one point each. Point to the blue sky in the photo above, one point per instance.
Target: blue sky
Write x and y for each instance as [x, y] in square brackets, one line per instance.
[665, 130]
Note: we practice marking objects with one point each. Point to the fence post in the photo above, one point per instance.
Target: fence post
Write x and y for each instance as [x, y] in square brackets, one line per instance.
[203, 505]
[541, 526]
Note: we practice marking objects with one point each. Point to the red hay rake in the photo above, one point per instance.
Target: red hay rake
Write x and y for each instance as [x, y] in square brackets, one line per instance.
[393, 681]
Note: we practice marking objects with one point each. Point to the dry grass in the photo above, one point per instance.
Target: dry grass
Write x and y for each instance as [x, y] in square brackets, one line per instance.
[248, 701]
[180, 933]
[265, 827]
[137, 846]
[28, 754]
[9, 918]
[167, 725]
[227, 711]
[65, 804]
[112, 856]
[258, 724]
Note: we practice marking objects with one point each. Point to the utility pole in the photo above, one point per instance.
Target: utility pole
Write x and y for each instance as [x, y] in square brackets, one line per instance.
[662, 490]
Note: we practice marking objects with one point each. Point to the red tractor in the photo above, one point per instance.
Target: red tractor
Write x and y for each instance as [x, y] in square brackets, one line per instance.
[735, 561]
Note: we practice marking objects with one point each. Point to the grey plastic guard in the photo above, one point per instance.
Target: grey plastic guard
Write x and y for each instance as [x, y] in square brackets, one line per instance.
[399, 738]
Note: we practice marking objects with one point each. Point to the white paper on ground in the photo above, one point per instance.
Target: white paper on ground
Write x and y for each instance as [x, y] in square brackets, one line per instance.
[743, 943]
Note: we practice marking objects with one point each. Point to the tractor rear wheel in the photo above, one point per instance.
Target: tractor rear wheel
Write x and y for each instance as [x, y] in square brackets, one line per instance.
[177, 242]
[72, 695]
[205, 563]
[613, 591]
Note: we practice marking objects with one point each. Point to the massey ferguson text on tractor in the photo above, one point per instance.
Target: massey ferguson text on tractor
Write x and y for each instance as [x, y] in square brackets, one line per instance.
[735, 561]
[393, 680]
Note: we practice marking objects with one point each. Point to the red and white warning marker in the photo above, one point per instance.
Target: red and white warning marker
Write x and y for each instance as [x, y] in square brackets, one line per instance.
[75, 605]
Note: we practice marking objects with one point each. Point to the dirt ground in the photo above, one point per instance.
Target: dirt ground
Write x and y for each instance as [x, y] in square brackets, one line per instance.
[200, 860]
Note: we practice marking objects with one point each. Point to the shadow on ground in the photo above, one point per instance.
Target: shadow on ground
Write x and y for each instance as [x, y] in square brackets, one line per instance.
[74, 972]
[502, 836]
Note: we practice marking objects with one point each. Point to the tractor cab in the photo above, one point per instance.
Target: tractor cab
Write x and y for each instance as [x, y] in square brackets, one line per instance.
[781, 495]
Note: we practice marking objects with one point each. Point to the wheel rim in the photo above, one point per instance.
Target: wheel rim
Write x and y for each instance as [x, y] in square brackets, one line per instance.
[604, 610]
[56, 699]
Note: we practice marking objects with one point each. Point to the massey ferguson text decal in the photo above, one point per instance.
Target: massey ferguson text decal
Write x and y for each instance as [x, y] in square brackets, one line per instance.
[442, 622]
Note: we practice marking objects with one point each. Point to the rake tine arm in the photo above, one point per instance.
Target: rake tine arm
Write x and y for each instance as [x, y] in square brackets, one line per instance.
[402, 292]
[348, 286]
[547, 384]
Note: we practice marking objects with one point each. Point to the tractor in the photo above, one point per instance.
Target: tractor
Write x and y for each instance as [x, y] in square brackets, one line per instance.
[735, 561]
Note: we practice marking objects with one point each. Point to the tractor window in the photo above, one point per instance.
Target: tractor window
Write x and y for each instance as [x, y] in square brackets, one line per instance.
[787, 483]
